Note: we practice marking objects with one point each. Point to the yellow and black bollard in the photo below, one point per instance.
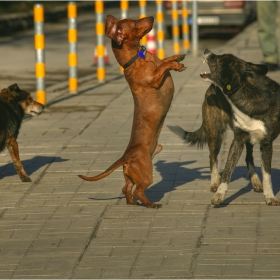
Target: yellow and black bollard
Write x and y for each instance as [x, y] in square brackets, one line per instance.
[39, 44]
[72, 55]
[175, 27]
[99, 28]
[160, 29]
[185, 27]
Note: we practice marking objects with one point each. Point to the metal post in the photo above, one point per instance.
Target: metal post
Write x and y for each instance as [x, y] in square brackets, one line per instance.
[124, 4]
[175, 27]
[39, 44]
[185, 27]
[160, 29]
[72, 55]
[194, 28]
[142, 4]
[99, 27]
[124, 8]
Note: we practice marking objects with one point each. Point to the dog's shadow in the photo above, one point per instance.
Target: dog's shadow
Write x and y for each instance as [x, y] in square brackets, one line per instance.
[30, 165]
[167, 171]
[174, 175]
[241, 171]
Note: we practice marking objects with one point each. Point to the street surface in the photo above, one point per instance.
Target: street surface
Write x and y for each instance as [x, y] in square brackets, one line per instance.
[60, 227]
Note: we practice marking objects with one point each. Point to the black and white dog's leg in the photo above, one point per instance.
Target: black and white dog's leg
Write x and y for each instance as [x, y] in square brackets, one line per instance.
[253, 176]
[266, 157]
[235, 151]
[214, 149]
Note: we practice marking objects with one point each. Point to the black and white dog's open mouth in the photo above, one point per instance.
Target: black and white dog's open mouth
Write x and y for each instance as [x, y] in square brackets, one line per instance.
[205, 76]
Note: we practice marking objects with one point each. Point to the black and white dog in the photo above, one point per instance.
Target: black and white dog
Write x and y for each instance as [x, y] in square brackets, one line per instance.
[249, 101]
[255, 102]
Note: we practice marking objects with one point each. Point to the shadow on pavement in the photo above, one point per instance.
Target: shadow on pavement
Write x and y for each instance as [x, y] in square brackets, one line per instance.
[30, 165]
[171, 171]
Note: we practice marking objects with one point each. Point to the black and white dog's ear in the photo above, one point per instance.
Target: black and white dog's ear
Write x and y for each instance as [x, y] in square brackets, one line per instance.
[257, 68]
[232, 84]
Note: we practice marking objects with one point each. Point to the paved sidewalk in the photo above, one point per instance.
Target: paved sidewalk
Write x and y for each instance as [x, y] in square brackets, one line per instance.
[59, 226]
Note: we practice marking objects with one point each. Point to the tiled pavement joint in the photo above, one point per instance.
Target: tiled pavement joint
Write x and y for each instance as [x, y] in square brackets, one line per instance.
[92, 236]
[199, 242]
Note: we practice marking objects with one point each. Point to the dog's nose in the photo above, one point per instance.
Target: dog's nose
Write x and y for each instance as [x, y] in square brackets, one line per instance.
[151, 19]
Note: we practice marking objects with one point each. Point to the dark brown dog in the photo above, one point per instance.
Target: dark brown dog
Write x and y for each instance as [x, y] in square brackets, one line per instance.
[152, 89]
[14, 105]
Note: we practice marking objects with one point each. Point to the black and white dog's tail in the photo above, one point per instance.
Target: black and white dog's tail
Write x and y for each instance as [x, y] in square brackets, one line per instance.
[198, 137]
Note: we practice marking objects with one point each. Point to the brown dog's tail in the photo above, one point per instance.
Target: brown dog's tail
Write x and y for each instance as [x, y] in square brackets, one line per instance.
[198, 137]
[114, 166]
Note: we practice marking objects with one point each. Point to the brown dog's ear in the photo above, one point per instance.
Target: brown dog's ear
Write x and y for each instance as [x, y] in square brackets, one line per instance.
[111, 29]
[257, 68]
[14, 90]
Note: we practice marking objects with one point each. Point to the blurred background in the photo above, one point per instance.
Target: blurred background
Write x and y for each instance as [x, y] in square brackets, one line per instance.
[217, 22]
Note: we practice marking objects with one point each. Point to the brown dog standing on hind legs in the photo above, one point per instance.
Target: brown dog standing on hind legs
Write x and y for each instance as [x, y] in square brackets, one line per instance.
[152, 89]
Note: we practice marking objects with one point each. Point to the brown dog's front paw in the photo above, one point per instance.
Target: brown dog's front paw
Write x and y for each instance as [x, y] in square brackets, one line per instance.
[180, 67]
[180, 57]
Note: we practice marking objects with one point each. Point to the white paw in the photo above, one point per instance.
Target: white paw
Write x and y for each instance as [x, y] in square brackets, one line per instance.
[273, 201]
[219, 196]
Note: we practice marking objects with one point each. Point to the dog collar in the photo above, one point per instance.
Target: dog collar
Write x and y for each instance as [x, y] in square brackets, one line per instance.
[140, 54]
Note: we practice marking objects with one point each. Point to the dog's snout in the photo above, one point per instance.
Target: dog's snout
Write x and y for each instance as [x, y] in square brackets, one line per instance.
[152, 19]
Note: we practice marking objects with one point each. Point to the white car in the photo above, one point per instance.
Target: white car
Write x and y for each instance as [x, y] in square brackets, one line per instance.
[215, 16]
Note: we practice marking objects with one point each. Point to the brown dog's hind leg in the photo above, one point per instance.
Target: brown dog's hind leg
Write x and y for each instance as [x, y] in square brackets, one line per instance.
[12, 146]
[140, 195]
[141, 172]
[157, 150]
[127, 191]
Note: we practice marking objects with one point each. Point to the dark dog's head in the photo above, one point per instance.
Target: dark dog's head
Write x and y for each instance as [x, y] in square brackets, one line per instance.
[229, 73]
[127, 29]
[24, 99]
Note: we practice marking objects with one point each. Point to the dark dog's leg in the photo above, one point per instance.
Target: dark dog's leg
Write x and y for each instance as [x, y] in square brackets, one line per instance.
[266, 157]
[214, 146]
[233, 157]
[12, 146]
[253, 176]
